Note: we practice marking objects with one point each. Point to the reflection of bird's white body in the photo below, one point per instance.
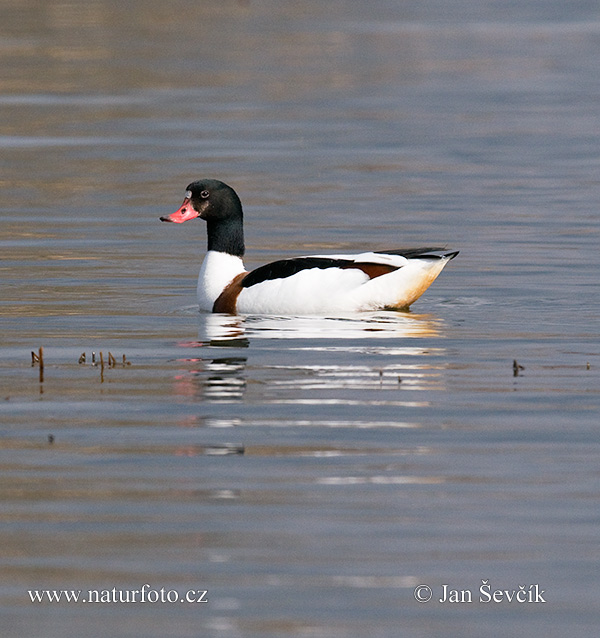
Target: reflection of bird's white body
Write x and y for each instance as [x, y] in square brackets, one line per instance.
[379, 324]
[316, 284]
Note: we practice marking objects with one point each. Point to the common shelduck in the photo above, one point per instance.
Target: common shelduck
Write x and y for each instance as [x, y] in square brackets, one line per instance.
[311, 285]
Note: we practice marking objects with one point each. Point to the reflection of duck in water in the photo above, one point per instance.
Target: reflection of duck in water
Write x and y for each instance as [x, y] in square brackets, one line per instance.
[300, 285]
[229, 331]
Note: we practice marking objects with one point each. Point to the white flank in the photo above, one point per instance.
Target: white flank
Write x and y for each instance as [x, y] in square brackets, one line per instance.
[310, 291]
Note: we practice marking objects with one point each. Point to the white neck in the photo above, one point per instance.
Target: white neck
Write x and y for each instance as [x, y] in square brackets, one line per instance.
[217, 270]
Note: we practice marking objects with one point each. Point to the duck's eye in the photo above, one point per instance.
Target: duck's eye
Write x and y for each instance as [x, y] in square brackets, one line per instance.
[204, 194]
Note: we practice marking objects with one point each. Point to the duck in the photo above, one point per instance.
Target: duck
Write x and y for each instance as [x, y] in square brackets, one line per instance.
[310, 285]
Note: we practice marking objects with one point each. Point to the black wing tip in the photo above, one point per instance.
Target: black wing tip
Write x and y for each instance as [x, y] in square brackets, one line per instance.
[421, 252]
[410, 251]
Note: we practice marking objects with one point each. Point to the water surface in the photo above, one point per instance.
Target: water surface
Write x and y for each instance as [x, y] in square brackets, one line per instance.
[307, 472]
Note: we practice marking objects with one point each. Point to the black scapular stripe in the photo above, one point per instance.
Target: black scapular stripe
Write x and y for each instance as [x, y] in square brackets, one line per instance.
[288, 267]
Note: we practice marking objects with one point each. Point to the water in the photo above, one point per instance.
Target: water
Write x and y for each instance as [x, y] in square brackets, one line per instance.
[308, 473]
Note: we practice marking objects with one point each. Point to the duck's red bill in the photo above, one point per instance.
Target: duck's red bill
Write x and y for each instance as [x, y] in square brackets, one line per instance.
[186, 212]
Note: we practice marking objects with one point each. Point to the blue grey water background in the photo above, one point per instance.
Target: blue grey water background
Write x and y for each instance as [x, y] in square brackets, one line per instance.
[309, 473]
